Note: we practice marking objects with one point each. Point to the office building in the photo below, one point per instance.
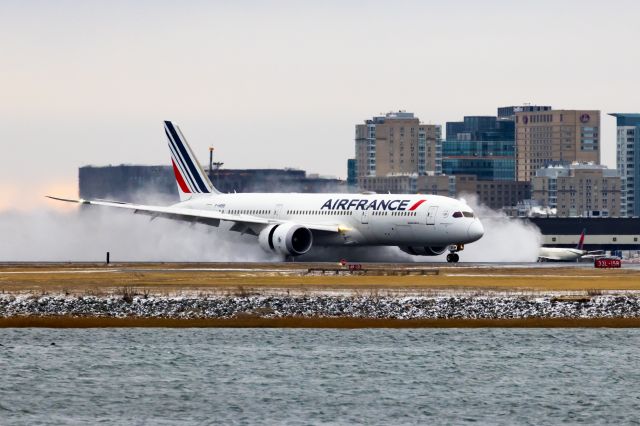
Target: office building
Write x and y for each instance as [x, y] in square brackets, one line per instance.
[628, 162]
[509, 112]
[487, 160]
[352, 175]
[578, 189]
[480, 128]
[544, 137]
[483, 146]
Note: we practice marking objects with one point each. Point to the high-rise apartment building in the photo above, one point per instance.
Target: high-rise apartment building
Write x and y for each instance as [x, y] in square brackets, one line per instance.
[628, 161]
[578, 189]
[544, 137]
[397, 144]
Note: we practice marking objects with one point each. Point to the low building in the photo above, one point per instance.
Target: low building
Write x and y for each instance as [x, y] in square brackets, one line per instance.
[273, 180]
[495, 194]
[403, 184]
[500, 194]
[157, 184]
[529, 208]
[600, 233]
[578, 189]
[437, 185]
[129, 183]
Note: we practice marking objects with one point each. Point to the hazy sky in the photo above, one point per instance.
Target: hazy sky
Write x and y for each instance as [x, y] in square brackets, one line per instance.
[274, 84]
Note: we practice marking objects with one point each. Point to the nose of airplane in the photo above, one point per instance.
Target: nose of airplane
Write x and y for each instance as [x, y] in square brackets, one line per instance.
[475, 231]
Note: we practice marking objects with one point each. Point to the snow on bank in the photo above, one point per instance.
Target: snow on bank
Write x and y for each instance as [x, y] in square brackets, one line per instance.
[387, 307]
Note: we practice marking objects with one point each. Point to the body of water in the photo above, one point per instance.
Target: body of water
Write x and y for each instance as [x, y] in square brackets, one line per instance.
[325, 376]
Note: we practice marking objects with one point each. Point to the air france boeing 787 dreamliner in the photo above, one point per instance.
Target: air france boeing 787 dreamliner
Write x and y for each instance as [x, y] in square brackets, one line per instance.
[290, 224]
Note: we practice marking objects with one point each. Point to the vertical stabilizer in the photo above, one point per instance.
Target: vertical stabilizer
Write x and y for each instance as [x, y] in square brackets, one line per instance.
[190, 176]
[581, 241]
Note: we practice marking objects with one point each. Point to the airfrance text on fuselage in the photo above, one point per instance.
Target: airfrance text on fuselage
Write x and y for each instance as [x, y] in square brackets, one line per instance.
[357, 204]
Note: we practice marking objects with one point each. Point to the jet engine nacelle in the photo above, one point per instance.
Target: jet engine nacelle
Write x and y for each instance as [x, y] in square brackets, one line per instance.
[288, 239]
[424, 251]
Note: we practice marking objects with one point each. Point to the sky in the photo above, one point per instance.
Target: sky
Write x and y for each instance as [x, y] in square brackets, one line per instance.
[282, 84]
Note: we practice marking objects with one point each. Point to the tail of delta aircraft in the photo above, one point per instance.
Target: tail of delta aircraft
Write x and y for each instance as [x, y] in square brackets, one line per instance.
[581, 241]
[190, 176]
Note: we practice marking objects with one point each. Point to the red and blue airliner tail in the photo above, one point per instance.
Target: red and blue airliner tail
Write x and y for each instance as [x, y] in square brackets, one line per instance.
[581, 241]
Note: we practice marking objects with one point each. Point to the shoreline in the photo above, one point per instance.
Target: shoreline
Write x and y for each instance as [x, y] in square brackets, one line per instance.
[317, 296]
[326, 311]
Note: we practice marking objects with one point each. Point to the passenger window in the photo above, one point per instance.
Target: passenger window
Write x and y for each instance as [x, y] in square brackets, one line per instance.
[457, 214]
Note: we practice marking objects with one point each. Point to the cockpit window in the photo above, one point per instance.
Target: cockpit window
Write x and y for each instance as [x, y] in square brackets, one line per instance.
[467, 214]
[457, 214]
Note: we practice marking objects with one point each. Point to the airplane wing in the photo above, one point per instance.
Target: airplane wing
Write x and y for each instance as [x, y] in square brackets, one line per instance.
[596, 254]
[242, 222]
[548, 259]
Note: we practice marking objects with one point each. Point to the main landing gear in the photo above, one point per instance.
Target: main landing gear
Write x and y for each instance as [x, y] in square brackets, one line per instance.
[453, 257]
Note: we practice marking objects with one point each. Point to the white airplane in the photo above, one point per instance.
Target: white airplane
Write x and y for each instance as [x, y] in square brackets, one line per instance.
[290, 224]
[561, 254]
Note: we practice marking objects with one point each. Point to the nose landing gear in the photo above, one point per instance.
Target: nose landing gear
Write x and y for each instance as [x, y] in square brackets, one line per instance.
[453, 257]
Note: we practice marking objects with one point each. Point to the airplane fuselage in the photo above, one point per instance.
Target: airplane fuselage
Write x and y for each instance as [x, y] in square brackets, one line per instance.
[364, 219]
[560, 254]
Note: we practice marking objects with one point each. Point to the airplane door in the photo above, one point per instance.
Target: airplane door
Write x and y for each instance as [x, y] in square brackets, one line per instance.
[365, 217]
[277, 211]
[431, 215]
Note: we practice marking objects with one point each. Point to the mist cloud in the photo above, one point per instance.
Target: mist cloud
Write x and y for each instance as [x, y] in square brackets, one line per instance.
[88, 235]
[504, 240]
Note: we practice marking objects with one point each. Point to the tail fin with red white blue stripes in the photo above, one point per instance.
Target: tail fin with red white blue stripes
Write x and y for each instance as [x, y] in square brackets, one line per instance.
[190, 176]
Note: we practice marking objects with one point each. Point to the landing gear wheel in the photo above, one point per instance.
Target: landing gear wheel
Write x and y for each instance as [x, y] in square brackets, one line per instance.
[453, 258]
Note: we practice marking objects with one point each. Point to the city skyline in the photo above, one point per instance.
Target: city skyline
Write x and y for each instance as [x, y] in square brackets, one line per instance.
[280, 84]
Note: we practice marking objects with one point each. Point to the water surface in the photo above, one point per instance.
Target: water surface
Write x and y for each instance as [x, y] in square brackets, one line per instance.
[306, 376]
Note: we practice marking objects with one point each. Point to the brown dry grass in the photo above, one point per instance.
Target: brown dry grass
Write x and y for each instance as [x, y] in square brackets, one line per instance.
[155, 278]
[345, 323]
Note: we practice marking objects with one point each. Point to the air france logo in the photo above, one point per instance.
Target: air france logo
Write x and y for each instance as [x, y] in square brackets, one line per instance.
[375, 205]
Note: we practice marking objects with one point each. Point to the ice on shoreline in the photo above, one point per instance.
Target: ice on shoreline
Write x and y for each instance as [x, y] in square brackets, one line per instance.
[328, 306]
